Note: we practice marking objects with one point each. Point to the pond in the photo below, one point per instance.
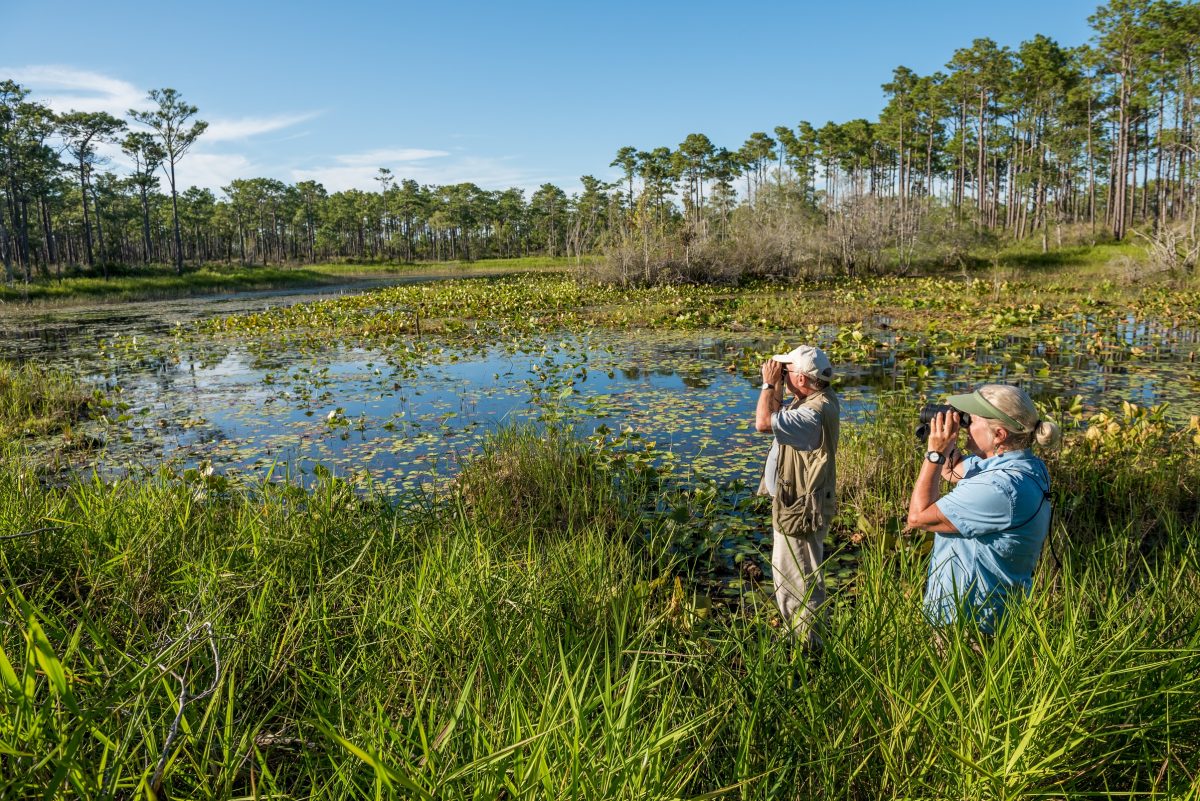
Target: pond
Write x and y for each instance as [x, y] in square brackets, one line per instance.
[398, 412]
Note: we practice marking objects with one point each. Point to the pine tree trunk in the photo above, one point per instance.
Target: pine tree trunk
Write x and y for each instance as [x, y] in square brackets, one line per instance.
[100, 232]
[87, 223]
[175, 218]
[1091, 157]
[1120, 160]
[5, 251]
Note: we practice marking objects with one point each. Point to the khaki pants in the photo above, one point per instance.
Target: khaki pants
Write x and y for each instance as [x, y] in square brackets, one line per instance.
[799, 584]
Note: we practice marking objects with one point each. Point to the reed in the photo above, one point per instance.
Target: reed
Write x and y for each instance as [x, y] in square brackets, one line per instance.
[35, 400]
[529, 631]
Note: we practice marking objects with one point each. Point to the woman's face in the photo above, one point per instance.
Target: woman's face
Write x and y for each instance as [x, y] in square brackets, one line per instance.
[981, 438]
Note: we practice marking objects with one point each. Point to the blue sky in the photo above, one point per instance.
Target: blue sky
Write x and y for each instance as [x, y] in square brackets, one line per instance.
[502, 93]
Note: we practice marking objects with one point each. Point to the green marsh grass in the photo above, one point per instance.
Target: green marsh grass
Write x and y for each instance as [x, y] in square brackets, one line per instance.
[158, 283]
[529, 632]
[35, 400]
[443, 268]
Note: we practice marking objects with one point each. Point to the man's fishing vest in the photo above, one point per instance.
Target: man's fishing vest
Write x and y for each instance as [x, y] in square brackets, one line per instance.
[806, 481]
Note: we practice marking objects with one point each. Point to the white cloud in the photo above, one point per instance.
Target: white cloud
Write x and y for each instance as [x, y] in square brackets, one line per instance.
[214, 170]
[65, 88]
[383, 157]
[233, 130]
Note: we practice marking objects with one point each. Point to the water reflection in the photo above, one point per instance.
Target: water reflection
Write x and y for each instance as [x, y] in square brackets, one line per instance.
[247, 406]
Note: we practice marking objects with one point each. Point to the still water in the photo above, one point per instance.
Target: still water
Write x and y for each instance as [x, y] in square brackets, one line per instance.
[397, 416]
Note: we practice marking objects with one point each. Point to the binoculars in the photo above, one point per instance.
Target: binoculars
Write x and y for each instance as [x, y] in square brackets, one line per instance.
[931, 410]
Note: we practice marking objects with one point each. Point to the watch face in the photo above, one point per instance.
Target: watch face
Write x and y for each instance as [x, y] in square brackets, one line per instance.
[935, 457]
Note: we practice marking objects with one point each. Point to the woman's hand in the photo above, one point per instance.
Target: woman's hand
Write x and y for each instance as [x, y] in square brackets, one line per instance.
[950, 468]
[772, 372]
[943, 431]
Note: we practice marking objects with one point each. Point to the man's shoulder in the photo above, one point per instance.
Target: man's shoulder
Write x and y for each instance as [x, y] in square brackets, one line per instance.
[822, 400]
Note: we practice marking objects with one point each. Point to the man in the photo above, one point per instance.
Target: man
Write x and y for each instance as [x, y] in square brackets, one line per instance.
[801, 478]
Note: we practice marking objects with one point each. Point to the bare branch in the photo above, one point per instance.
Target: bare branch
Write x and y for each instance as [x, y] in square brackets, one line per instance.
[203, 631]
[20, 534]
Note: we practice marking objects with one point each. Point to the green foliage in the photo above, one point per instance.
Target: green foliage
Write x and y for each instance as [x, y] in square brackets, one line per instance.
[1157, 483]
[526, 633]
[36, 401]
[155, 283]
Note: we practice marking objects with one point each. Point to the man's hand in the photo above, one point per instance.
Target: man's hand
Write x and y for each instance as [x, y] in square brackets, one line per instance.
[772, 372]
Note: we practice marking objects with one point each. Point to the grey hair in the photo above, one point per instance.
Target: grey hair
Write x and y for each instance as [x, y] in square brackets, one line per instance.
[1017, 404]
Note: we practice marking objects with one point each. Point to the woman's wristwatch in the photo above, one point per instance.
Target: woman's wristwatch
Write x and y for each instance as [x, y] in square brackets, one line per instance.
[767, 385]
[937, 457]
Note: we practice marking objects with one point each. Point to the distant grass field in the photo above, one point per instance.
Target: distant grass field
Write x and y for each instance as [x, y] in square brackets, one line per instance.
[481, 266]
[161, 282]
[1121, 261]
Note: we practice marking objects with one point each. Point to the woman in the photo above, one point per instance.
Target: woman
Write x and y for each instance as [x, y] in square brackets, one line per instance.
[991, 526]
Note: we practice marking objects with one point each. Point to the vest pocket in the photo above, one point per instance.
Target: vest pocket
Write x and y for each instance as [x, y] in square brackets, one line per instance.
[805, 515]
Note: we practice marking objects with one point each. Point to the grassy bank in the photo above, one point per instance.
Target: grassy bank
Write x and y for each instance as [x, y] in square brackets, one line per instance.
[161, 281]
[534, 632]
[1120, 262]
[457, 267]
[36, 401]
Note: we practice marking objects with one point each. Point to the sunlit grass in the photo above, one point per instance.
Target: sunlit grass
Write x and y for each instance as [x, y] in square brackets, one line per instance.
[456, 267]
[541, 626]
[35, 401]
[159, 282]
[531, 632]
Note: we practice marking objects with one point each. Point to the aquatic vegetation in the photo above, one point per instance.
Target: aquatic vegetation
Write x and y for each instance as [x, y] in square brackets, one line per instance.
[36, 401]
[421, 373]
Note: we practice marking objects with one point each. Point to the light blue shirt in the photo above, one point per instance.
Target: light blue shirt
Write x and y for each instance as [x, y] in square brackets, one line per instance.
[1001, 509]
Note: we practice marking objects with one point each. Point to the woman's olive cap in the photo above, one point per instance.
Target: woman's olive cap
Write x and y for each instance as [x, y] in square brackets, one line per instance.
[976, 405]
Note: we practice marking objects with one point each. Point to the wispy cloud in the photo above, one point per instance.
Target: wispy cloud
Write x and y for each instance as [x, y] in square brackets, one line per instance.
[243, 128]
[385, 156]
[66, 88]
[215, 170]
[213, 164]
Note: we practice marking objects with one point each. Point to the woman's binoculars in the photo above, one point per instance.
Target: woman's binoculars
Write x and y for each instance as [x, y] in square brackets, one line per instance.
[930, 410]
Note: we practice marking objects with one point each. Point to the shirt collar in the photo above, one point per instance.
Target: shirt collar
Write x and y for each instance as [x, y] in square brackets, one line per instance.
[1003, 458]
[1021, 461]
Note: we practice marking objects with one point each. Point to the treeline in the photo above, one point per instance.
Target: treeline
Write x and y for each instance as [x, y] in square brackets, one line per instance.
[1003, 142]
[61, 206]
[1017, 143]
